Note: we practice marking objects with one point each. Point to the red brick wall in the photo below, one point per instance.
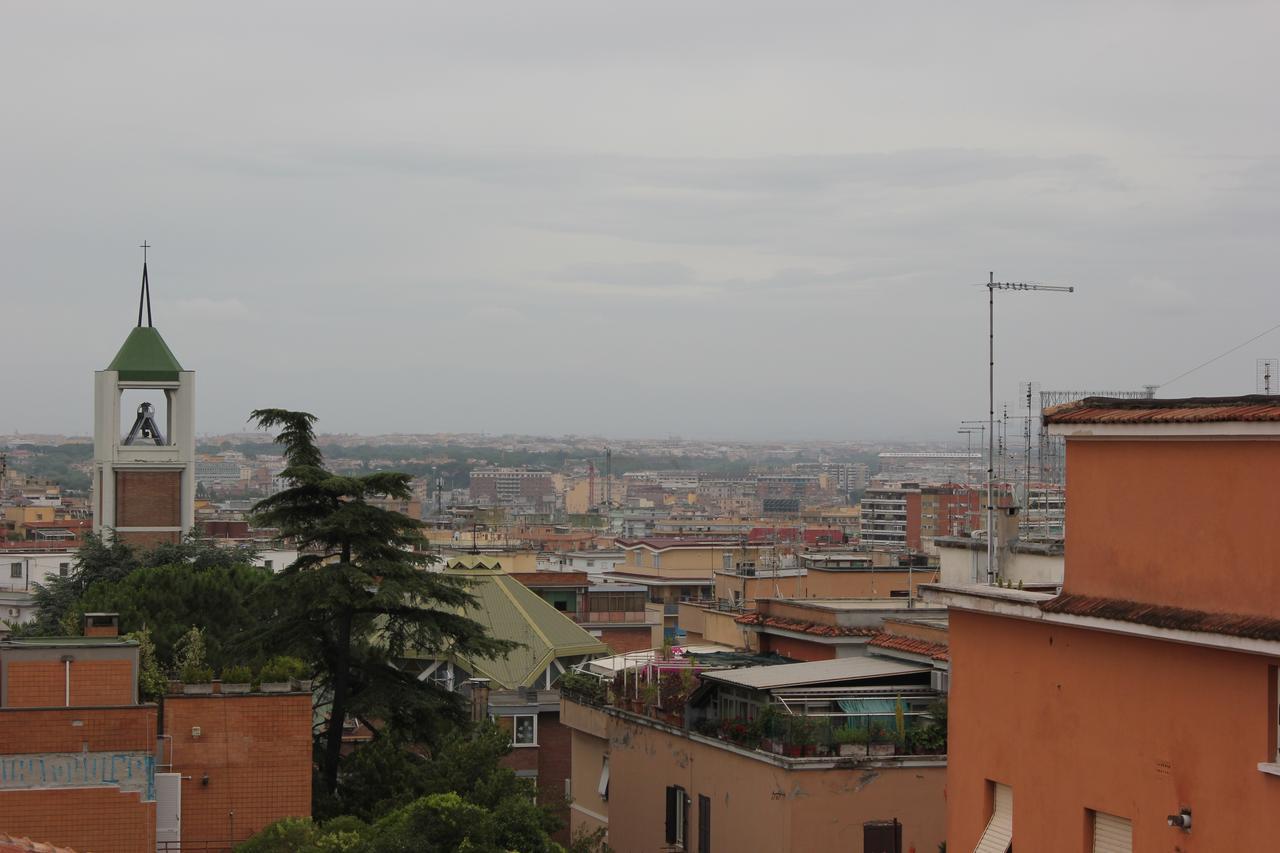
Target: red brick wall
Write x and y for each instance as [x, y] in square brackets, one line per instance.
[622, 640]
[100, 730]
[256, 751]
[102, 820]
[555, 764]
[797, 649]
[149, 539]
[148, 498]
[42, 684]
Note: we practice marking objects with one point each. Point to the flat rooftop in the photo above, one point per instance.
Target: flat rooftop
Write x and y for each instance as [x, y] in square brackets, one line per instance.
[813, 673]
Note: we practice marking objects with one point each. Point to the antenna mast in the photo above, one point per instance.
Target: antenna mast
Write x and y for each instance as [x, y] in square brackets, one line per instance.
[992, 286]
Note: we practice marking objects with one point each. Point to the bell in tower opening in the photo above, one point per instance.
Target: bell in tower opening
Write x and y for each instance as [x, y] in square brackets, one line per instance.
[144, 427]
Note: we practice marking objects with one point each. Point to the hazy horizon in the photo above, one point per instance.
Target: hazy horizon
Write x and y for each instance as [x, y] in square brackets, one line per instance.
[727, 221]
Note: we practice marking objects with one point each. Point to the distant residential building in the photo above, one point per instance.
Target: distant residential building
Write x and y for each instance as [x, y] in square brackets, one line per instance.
[619, 615]
[512, 486]
[213, 471]
[890, 518]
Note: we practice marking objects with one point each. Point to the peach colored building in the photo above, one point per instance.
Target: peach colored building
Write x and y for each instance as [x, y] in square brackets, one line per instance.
[1143, 696]
[656, 784]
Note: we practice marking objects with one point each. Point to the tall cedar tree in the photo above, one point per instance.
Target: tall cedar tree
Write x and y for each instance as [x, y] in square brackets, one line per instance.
[358, 597]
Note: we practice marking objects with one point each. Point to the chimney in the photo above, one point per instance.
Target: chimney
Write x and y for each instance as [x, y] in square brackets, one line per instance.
[102, 624]
[479, 699]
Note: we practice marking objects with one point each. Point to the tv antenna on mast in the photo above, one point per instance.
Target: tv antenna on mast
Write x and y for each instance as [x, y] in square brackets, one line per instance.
[1268, 375]
[992, 286]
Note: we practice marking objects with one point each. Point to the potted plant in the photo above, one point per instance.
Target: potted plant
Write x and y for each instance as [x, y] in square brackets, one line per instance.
[197, 679]
[277, 674]
[881, 744]
[649, 695]
[851, 742]
[237, 679]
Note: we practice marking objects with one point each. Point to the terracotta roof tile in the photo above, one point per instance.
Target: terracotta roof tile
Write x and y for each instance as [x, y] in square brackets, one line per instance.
[14, 844]
[802, 627]
[1190, 410]
[897, 642]
[1160, 616]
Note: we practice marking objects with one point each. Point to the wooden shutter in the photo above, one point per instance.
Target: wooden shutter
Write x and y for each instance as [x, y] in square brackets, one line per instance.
[1112, 834]
[998, 836]
[704, 824]
[673, 795]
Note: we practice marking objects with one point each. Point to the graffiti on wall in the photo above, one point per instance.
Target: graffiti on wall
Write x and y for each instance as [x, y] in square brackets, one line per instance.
[128, 771]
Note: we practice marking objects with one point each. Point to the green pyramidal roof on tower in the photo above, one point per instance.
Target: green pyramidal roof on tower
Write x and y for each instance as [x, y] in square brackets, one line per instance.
[145, 357]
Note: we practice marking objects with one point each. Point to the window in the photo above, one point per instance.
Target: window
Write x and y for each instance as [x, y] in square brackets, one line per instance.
[523, 729]
[602, 788]
[64, 569]
[726, 560]
[657, 560]
[561, 606]
[1112, 834]
[677, 815]
[268, 564]
[998, 836]
[591, 564]
[704, 824]
[15, 570]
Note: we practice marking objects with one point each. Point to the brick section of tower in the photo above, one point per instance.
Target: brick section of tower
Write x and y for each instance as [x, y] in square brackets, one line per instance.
[255, 750]
[148, 498]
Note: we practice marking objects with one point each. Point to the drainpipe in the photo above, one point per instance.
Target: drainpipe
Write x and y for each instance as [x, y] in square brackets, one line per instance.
[66, 663]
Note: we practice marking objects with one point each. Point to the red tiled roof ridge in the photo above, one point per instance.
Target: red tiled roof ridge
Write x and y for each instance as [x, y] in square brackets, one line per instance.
[911, 645]
[800, 626]
[1165, 616]
[1250, 407]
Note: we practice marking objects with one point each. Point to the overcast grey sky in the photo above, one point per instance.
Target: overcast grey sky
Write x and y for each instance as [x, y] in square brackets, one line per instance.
[723, 219]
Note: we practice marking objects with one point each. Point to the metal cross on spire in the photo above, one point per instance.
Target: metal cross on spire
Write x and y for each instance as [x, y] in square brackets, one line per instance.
[144, 298]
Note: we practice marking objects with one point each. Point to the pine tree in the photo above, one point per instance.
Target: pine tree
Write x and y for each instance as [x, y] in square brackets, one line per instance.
[359, 595]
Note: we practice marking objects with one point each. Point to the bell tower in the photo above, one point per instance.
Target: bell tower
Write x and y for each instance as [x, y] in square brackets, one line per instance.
[144, 438]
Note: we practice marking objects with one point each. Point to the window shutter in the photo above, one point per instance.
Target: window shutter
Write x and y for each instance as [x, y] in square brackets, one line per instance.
[1111, 834]
[673, 794]
[602, 788]
[998, 836]
[704, 824]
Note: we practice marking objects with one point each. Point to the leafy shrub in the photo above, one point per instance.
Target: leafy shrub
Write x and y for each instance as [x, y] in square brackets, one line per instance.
[238, 674]
[282, 668]
[193, 674]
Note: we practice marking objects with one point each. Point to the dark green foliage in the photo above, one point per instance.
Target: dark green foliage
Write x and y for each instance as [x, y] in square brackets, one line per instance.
[170, 599]
[106, 560]
[359, 598]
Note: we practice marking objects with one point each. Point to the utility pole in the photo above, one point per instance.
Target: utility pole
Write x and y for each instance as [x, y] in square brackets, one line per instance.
[992, 286]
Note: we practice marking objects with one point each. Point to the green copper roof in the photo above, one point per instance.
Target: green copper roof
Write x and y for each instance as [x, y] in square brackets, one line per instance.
[509, 610]
[145, 357]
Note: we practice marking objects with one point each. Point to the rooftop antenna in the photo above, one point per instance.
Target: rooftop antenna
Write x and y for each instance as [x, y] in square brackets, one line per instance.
[992, 286]
[1268, 374]
[145, 296]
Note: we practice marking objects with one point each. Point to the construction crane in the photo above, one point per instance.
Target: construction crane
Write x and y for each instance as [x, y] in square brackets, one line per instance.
[992, 286]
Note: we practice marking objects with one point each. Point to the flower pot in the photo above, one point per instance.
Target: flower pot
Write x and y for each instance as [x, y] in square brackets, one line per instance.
[197, 689]
[276, 686]
[766, 743]
[810, 750]
[853, 750]
[880, 750]
[302, 685]
[232, 687]
[793, 750]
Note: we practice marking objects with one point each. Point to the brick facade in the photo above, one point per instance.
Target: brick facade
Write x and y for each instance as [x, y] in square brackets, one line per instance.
[623, 640]
[255, 750]
[43, 683]
[101, 819]
[148, 498]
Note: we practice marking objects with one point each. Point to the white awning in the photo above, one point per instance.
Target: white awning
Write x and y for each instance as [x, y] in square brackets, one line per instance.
[998, 836]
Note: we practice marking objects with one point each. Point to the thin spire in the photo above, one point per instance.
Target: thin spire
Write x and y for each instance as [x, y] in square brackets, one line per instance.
[144, 298]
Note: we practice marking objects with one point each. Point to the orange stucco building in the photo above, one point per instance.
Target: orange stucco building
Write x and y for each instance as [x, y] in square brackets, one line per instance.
[1143, 695]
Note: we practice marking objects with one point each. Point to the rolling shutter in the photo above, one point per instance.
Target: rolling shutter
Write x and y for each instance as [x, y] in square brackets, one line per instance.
[673, 794]
[704, 824]
[998, 836]
[1111, 834]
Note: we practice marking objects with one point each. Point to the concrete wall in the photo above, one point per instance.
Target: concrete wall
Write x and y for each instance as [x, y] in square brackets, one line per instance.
[1076, 720]
[1174, 515]
[760, 804]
